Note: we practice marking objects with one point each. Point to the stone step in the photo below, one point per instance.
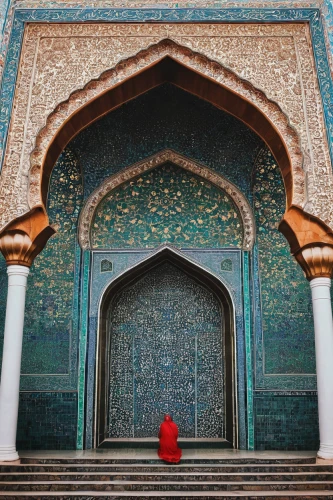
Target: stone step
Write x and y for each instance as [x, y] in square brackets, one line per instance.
[142, 478]
[153, 443]
[269, 495]
[163, 476]
[161, 467]
[167, 486]
[157, 461]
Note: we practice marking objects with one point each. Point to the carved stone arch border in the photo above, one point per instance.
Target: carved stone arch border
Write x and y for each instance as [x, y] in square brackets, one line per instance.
[167, 155]
[252, 103]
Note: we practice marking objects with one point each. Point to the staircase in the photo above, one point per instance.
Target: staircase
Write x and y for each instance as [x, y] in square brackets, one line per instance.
[84, 478]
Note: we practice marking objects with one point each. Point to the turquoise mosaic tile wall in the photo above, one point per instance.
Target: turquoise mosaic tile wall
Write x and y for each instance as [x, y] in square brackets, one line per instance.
[286, 309]
[123, 260]
[286, 422]
[285, 295]
[48, 420]
[167, 205]
[138, 129]
[49, 328]
[166, 357]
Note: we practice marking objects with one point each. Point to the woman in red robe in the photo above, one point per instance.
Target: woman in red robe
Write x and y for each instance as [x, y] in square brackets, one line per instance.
[168, 450]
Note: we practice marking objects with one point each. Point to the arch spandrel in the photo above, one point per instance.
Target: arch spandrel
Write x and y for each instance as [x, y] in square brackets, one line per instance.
[168, 155]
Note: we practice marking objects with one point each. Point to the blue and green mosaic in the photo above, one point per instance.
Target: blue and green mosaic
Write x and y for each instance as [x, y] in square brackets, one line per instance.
[166, 357]
[286, 309]
[166, 205]
[47, 421]
[210, 260]
[286, 422]
[50, 339]
[49, 357]
[282, 311]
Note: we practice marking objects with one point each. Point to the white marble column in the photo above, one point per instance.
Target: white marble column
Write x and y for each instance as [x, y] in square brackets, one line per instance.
[11, 360]
[322, 314]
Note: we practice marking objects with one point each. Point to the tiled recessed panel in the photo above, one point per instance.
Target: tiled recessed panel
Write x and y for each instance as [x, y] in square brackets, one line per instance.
[286, 422]
[166, 357]
[49, 355]
[50, 330]
[47, 421]
[210, 261]
[286, 342]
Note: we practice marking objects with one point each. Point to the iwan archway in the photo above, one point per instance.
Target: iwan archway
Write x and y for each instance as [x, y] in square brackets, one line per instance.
[26, 227]
[166, 344]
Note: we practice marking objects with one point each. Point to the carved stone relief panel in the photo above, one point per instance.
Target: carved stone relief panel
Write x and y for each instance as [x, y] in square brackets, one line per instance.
[59, 59]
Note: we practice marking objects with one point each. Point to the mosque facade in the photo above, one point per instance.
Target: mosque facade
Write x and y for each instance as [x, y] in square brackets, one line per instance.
[166, 216]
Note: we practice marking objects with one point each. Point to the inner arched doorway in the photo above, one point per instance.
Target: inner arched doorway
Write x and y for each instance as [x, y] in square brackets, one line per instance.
[166, 344]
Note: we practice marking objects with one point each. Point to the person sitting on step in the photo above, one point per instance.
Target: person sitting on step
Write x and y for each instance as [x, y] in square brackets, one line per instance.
[168, 435]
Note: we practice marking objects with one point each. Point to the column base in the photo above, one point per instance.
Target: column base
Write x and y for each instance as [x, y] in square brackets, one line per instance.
[8, 454]
[324, 461]
[325, 451]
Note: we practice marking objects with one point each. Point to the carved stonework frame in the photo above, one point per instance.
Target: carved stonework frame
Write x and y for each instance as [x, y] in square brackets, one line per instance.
[88, 211]
[311, 58]
[40, 163]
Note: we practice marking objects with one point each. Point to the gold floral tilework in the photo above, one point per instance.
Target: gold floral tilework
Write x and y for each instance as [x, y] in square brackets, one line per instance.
[167, 204]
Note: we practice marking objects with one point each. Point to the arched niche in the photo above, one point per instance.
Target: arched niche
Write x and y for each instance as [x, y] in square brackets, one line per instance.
[163, 62]
[205, 279]
[152, 162]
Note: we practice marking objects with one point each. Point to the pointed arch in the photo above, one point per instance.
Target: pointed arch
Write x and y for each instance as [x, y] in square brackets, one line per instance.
[168, 61]
[168, 155]
[204, 277]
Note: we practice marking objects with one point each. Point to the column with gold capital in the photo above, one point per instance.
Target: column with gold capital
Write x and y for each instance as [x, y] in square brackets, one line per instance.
[19, 244]
[317, 263]
[11, 364]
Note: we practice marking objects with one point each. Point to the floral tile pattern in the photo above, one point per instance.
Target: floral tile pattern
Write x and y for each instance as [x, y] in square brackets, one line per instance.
[50, 329]
[169, 205]
[183, 373]
[286, 309]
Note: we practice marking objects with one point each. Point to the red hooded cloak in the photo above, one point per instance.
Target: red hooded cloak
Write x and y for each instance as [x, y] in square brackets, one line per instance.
[168, 450]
